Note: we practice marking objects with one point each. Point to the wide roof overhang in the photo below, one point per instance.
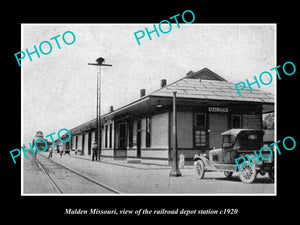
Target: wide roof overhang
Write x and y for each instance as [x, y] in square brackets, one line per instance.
[158, 103]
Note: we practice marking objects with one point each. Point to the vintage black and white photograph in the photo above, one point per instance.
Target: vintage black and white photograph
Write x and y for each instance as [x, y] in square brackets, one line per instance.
[144, 109]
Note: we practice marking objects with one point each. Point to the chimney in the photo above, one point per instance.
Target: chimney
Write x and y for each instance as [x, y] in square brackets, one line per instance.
[142, 92]
[189, 73]
[111, 108]
[163, 83]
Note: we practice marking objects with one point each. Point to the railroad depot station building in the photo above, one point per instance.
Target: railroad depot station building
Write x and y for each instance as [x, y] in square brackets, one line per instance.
[206, 104]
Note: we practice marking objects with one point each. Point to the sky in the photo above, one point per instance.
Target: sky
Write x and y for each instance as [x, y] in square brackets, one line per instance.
[59, 89]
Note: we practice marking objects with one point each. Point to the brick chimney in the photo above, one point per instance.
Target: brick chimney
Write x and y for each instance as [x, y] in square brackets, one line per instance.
[142, 92]
[163, 83]
[189, 73]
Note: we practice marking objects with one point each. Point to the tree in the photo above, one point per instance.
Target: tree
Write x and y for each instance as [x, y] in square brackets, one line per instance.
[268, 121]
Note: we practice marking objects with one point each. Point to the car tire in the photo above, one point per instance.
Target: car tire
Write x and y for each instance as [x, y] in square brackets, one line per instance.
[199, 168]
[247, 173]
[228, 174]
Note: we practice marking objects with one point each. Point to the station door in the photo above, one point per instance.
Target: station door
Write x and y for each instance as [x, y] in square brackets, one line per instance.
[218, 123]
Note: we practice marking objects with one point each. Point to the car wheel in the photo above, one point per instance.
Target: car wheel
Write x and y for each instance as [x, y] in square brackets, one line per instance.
[248, 173]
[199, 168]
[228, 174]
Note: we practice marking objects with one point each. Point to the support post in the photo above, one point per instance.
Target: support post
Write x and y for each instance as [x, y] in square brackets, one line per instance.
[175, 172]
[99, 146]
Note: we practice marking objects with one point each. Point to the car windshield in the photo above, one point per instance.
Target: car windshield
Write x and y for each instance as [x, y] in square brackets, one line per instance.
[227, 141]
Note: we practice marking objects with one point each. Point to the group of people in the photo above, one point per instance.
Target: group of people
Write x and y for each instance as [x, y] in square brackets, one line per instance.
[61, 151]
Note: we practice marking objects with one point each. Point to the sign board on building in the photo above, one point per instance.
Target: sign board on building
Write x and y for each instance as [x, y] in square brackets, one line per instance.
[217, 109]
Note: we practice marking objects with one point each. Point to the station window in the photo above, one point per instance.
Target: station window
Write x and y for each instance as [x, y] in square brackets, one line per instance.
[236, 121]
[200, 119]
[200, 130]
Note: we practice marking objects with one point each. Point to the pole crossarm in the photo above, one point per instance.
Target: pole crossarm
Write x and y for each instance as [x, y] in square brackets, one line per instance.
[97, 64]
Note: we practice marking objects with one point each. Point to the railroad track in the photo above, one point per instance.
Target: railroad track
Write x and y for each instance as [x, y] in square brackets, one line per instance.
[66, 180]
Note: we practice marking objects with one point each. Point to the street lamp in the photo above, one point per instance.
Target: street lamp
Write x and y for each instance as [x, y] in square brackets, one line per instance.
[99, 62]
[175, 172]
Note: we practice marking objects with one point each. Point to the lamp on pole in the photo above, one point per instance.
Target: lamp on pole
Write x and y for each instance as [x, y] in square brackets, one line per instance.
[175, 172]
[99, 62]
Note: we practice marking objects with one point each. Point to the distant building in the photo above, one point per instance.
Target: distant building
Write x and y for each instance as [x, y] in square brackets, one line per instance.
[39, 144]
[207, 105]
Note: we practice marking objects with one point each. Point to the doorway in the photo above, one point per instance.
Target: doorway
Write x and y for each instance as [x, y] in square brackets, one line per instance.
[89, 143]
[83, 137]
[122, 136]
[138, 138]
[218, 123]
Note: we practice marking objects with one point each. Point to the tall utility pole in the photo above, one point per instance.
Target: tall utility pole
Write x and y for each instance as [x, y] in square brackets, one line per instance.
[175, 172]
[98, 110]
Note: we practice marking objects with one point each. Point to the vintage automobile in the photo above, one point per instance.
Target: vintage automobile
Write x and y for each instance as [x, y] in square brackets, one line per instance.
[237, 143]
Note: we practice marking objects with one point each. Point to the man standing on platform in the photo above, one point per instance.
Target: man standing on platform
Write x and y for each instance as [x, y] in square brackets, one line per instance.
[94, 149]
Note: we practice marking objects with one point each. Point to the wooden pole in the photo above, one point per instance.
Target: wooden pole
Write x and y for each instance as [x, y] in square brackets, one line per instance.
[98, 116]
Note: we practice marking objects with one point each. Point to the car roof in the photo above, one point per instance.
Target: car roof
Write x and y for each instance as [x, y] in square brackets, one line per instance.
[236, 132]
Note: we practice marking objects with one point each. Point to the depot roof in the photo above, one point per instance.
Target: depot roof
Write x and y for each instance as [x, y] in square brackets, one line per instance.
[205, 84]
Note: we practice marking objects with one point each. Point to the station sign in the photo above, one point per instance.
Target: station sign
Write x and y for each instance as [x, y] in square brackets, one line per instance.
[217, 109]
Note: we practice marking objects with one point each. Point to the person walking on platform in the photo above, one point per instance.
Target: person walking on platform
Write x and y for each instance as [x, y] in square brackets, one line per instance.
[50, 152]
[94, 149]
[60, 151]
